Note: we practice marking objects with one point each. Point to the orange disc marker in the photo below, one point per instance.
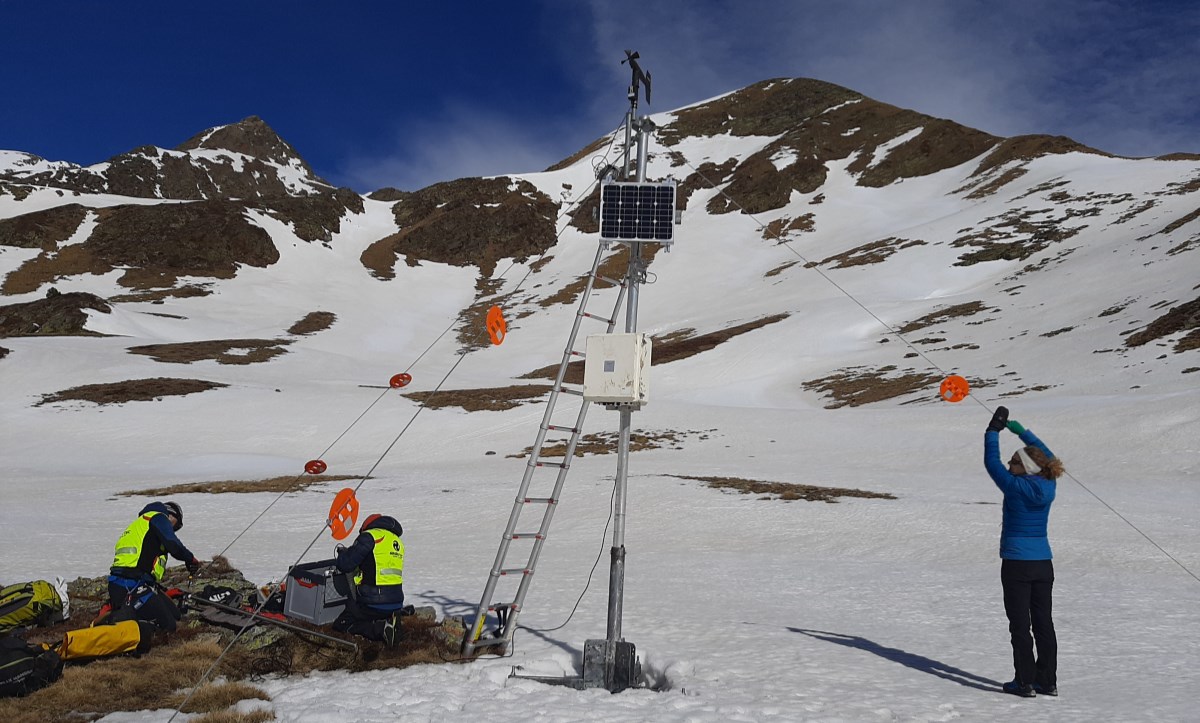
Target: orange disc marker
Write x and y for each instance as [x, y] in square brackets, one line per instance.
[342, 514]
[496, 326]
[400, 380]
[315, 466]
[955, 388]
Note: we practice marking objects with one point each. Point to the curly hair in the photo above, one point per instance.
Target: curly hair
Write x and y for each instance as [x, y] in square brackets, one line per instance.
[1049, 467]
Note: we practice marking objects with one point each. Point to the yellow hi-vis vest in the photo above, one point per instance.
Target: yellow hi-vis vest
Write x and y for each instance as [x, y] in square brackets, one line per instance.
[160, 567]
[389, 559]
[129, 546]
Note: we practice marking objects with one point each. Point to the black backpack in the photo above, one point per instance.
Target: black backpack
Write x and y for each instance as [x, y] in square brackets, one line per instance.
[25, 668]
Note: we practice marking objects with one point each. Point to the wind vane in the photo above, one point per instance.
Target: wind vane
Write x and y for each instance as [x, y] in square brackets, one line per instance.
[639, 76]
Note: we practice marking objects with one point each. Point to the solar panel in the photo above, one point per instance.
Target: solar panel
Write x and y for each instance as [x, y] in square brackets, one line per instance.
[637, 212]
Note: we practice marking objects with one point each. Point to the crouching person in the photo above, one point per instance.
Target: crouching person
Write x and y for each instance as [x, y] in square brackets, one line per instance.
[377, 559]
[139, 563]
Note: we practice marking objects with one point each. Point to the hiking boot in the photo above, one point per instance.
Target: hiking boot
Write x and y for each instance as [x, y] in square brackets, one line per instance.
[1045, 689]
[391, 631]
[1023, 690]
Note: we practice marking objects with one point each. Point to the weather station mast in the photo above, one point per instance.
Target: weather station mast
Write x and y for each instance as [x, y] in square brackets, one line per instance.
[632, 212]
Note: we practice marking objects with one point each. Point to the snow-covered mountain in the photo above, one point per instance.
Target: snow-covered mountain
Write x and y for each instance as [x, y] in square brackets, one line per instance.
[218, 311]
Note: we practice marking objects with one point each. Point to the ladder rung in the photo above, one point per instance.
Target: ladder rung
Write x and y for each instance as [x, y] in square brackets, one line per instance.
[526, 535]
[540, 500]
[614, 282]
[517, 570]
[576, 392]
[556, 428]
[605, 319]
[576, 353]
[560, 465]
[500, 606]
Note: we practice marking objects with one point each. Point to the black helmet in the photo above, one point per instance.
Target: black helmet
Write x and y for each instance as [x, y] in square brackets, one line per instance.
[174, 509]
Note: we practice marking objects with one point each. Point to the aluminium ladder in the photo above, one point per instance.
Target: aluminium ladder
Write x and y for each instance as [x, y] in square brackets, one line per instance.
[506, 613]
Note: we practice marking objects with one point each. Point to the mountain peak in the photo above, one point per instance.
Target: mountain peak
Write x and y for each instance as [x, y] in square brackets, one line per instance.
[251, 137]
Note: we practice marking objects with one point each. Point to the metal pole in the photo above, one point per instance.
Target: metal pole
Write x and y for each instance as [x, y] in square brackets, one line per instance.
[616, 574]
[628, 144]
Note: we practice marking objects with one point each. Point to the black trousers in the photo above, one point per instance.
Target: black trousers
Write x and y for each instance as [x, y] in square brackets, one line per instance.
[1028, 587]
[363, 620]
[155, 607]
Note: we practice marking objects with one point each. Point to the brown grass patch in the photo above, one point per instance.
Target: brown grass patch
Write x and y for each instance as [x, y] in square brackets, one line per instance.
[1184, 317]
[950, 312]
[156, 296]
[49, 266]
[1181, 221]
[469, 221]
[313, 322]
[220, 351]
[786, 491]
[871, 253]
[472, 332]
[156, 244]
[606, 443]
[114, 684]
[44, 229]
[132, 390]
[161, 678]
[476, 400]
[666, 349]
[615, 266]
[216, 697]
[595, 147]
[983, 190]
[779, 228]
[295, 483]
[258, 715]
[1016, 236]
[706, 175]
[780, 269]
[1028, 147]
[56, 315]
[857, 386]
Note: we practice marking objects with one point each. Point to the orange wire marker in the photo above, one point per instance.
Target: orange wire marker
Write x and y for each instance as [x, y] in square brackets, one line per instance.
[400, 380]
[955, 388]
[496, 327]
[315, 466]
[342, 514]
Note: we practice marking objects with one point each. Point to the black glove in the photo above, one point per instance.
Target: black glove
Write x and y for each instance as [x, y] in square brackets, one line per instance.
[999, 420]
[339, 549]
[193, 566]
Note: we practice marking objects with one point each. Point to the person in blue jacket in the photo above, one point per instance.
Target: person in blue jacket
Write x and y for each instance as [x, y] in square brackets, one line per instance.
[1026, 571]
[139, 562]
[377, 559]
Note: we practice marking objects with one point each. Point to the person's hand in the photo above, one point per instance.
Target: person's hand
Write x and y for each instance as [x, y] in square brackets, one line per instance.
[1015, 427]
[339, 548]
[999, 420]
[193, 566]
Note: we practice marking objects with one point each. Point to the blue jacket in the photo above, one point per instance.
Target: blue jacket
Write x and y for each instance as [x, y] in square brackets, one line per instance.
[159, 539]
[1027, 500]
[361, 556]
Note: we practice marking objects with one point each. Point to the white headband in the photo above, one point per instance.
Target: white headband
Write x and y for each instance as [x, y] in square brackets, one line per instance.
[1027, 462]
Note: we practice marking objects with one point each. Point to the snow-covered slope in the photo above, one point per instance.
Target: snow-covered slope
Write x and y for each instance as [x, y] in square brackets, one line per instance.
[1061, 282]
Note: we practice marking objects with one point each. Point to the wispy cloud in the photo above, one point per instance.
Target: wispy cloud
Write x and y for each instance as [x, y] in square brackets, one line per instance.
[462, 139]
[1118, 76]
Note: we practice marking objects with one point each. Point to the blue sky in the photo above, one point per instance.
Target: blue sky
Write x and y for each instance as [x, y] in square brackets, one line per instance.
[406, 94]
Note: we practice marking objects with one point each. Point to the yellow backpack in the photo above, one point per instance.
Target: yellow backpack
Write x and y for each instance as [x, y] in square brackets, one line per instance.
[127, 636]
